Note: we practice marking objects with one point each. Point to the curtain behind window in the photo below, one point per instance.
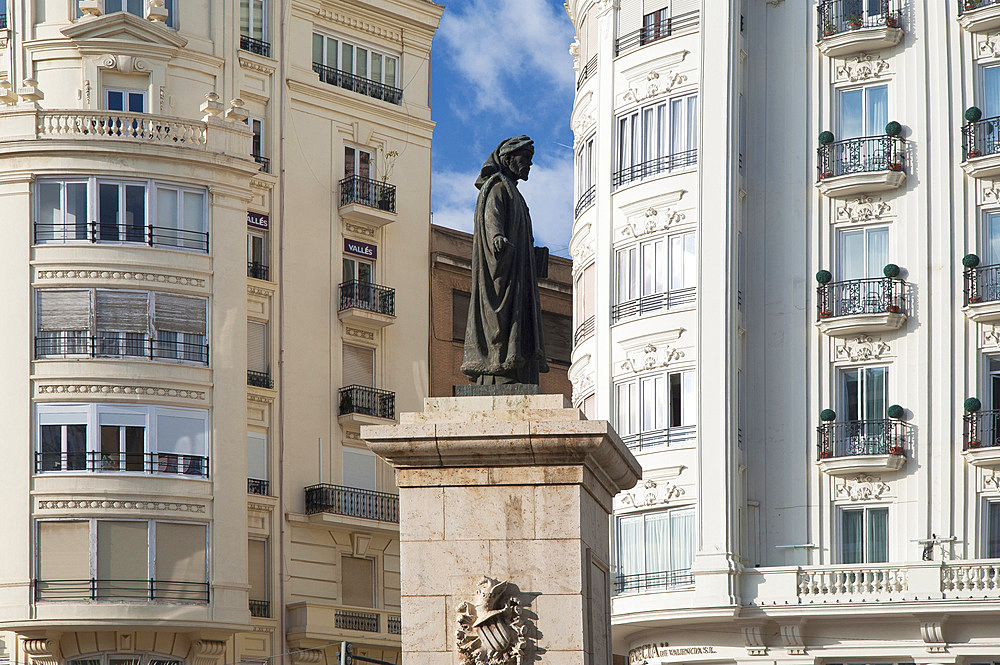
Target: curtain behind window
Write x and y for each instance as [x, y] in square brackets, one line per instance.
[631, 552]
[682, 540]
[850, 536]
[991, 92]
[878, 535]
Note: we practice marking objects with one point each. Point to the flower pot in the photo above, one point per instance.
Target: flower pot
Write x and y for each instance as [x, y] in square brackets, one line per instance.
[973, 153]
[828, 32]
[896, 450]
[825, 175]
[856, 25]
[890, 22]
[892, 309]
[825, 315]
[974, 299]
[895, 166]
[825, 454]
[972, 444]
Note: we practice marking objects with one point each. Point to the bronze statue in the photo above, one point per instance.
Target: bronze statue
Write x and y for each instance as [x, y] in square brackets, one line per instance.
[503, 337]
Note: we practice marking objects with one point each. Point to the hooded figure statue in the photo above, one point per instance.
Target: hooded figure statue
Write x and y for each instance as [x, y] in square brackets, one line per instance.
[503, 336]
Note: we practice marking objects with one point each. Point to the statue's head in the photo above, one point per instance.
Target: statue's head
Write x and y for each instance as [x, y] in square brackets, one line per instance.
[515, 155]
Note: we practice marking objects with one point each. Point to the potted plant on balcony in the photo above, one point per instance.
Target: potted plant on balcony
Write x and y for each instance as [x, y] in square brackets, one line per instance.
[891, 271]
[825, 139]
[891, 22]
[829, 27]
[896, 412]
[973, 114]
[856, 21]
[388, 162]
[826, 416]
[972, 4]
[823, 277]
[970, 261]
[893, 130]
[971, 406]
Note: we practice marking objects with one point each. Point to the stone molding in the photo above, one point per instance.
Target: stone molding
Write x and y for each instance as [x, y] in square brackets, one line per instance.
[362, 26]
[112, 389]
[359, 333]
[862, 348]
[207, 652]
[126, 275]
[42, 651]
[253, 65]
[862, 67]
[649, 358]
[360, 229]
[863, 209]
[862, 487]
[106, 504]
[651, 494]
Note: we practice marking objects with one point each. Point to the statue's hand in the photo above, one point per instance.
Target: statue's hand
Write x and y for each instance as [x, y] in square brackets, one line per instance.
[499, 242]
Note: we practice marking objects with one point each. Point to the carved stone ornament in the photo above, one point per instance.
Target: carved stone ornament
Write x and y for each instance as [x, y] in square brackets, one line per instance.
[126, 64]
[863, 209]
[863, 67]
[753, 640]
[989, 46]
[791, 637]
[991, 335]
[862, 348]
[655, 221]
[656, 84]
[582, 252]
[862, 487]
[574, 52]
[651, 357]
[491, 629]
[990, 192]
[583, 385]
[651, 494]
[991, 480]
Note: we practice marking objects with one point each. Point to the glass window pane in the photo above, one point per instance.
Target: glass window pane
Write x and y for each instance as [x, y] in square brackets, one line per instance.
[76, 210]
[878, 535]
[136, 102]
[648, 268]
[347, 58]
[115, 100]
[331, 52]
[136, 7]
[876, 110]
[377, 67]
[631, 552]
[851, 389]
[111, 6]
[390, 71]
[166, 210]
[878, 251]
[682, 541]
[851, 255]
[107, 213]
[659, 544]
[850, 536]
[676, 400]
[361, 60]
[991, 241]
[194, 219]
[135, 213]
[990, 102]
[688, 397]
[318, 48]
[875, 392]
[992, 530]
[851, 114]
[257, 26]
[50, 217]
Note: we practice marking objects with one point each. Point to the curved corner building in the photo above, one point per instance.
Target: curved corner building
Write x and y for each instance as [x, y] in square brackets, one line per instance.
[785, 249]
[213, 212]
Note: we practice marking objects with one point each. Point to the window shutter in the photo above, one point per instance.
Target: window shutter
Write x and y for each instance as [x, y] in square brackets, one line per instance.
[63, 551]
[359, 366]
[257, 568]
[590, 34]
[588, 292]
[679, 7]
[256, 455]
[179, 313]
[358, 577]
[256, 346]
[180, 434]
[64, 310]
[122, 553]
[123, 311]
[359, 469]
[181, 557]
[629, 16]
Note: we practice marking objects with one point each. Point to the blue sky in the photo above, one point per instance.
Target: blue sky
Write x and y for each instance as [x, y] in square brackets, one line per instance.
[502, 68]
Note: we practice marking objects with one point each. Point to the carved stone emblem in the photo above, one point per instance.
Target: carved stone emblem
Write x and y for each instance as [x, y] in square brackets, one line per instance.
[862, 488]
[991, 335]
[862, 68]
[654, 221]
[862, 348]
[491, 629]
[656, 84]
[651, 357]
[652, 494]
[863, 209]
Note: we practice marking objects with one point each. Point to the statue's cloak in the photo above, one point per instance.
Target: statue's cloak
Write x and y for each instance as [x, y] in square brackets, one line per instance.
[503, 335]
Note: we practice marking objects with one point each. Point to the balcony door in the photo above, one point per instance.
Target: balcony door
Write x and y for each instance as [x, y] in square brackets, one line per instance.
[129, 101]
[991, 239]
[863, 111]
[864, 397]
[862, 253]
[989, 101]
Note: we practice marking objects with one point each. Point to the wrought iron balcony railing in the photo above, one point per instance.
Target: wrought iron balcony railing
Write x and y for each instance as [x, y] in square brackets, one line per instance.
[873, 295]
[368, 192]
[258, 271]
[588, 70]
[258, 487]
[981, 429]
[656, 31]
[350, 620]
[869, 154]
[675, 162]
[258, 46]
[369, 297]
[863, 437]
[118, 462]
[584, 330]
[265, 162]
[652, 303]
[982, 284]
[965, 6]
[981, 138]
[95, 232]
[661, 437]
[840, 15]
[259, 379]
[358, 84]
[658, 581]
[260, 609]
[352, 502]
[67, 344]
[367, 401]
[586, 200]
[120, 590]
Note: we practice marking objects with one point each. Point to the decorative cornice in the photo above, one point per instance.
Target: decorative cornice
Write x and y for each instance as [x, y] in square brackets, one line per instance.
[253, 65]
[362, 26]
[360, 229]
[862, 348]
[863, 67]
[257, 291]
[260, 399]
[651, 357]
[360, 334]
[863, 209]
[109, 389]
[125, 275]
[260, 507]
[106, 504]
[862, 487]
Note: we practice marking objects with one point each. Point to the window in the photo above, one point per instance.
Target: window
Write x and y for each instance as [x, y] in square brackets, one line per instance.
[257, 456]
[864, 429]
[358, 581]
[862, 253]
[558, 337]
[655, 550]
[584, 295]
[135, 560]
[655, 25]
[121, 438]
[136, 8]
[359, 468]
[655, 274]
[357, 162]
[460, 301]
[253, 19]
[651, 410]
[257, 262]
[864, 535]
[146, 212]
[657, 138]
[257, 570]
[863, 111]
[993, 385]
[990, 94]
[358, 270]
[257, 143]
[361, 61]
[585, 174]
[590, 406]
[125, 659]
[359, 366]
[129, 101]
[991, 538]
[257, 347]
[991, 239]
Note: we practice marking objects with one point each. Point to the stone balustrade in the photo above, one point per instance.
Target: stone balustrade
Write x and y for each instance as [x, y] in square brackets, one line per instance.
[122, 126]
[869, 581]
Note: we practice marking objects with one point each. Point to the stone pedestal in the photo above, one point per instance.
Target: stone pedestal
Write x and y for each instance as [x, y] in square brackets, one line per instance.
[512, 489]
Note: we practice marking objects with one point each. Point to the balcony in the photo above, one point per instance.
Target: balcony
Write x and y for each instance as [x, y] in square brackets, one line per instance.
[679, 162]
[258, 487]
[861, 165]
[981, 438]
[96, 233]
[659, 581]
[654, 302]
[121, 126]
[588, 70]
[586, 200]
[90, 461]
[260, 609]
[258, 46]
[362, 405]
[317, 621]
[358, 84]
[366, 304]
[258, 271]
[981, 147]
[875, 304]
[367, 201]
[656, 31]
[673, 436]
[982, 293]
[352, 502]
[120, 590]
[584, 330]
[979, 15]
[862, 446]
[265, 163]
[846, 27]
[260, 379]
[68, 344]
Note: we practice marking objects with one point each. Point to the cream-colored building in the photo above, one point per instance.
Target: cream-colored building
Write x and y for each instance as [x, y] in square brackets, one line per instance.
[817, 488]
[183, 476]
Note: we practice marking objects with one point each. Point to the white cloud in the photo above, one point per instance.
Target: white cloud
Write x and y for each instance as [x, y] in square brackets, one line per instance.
[548, 192]
[495, 45]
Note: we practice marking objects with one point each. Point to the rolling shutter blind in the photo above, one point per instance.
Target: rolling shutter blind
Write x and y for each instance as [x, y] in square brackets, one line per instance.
[180, 552]
[256, 455]
[257, 569]
[359, 469]
[358, 581]
[63, 551]
[590, 32]
[122, 551]
[123, 311]
[679, 7]
[650, 6]
[629, 16]
[179, 313]
[256, 346]
[64, 310]
[359, 366]
[588, 292]
[179, 434]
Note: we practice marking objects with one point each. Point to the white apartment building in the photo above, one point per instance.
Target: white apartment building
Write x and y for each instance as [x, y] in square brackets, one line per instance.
[786, 266]
[183, 479]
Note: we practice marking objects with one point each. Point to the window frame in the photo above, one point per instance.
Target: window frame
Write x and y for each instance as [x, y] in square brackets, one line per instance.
[865, 532]
[866, 132]
[355, 44]
[866, 233]
[264, 24]
[986, 535]
[643, 516]
[126, 98]
[636, 258]
[169, 5]
[637, 405]
[650, 129]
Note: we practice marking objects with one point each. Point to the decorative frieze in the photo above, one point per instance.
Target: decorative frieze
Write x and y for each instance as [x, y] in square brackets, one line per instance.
[358, 24]
[582, 253]
[111, 389]
[990, 480]
[652, 221]
[125, 275]
[863, 67]
[989, 335]
[862, 348]
[359, 334]
[863, 209]
[253, 65]
[126, 64]
[861, 487]
[650, 357]
[656, 84]
[106, 504]
[651, 494]
[988, 46]
[359, 229]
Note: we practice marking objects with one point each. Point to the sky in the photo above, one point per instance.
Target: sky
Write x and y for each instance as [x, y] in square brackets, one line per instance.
[500, 68]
